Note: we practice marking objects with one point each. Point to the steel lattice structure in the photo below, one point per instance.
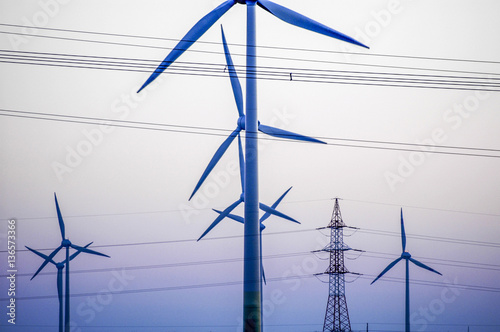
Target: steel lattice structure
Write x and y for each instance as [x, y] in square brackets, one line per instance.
[337, 315]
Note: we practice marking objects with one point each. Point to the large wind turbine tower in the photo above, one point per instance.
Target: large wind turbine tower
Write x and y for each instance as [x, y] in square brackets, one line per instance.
[337, 315]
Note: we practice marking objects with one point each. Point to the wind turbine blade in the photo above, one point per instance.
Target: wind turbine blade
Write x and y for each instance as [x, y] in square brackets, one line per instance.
[272, 211]
[280, 133]
[422, 265]
[40, 255]
[47, 260]
[278, 201]
[190, 38]
[221, 216]
[403, 233]
[232, 216]
[242, 164]
[304, 22]
[387, 269]
[78, 252]
[275, 204]
[215, 159]
[235, 82]
[88, 251]
[59, 217]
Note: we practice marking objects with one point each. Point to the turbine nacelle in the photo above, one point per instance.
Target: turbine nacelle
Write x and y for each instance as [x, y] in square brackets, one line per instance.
[406, 255]
[66, 243]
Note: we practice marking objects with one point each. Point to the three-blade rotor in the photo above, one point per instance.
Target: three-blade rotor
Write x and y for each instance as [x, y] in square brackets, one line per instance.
[59, 267]
[283, 13]
[65, 243]
[238, 97]
[267, 214]
[404, 255]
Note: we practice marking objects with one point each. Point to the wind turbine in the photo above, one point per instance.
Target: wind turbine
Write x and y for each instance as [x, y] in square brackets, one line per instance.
[262, 227]
[407, 257]
[240, 124]
[60, 267]
[251, 283]
[66, 243]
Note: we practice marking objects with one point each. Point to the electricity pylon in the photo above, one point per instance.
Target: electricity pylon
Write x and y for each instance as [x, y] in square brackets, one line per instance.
[337, 315]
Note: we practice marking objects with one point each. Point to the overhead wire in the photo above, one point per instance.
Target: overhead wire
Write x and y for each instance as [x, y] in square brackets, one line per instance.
[379, 145]
[376, 232]
[487, 289]
[294, 49]
[487, 84]
[283, 203]
[369, 254]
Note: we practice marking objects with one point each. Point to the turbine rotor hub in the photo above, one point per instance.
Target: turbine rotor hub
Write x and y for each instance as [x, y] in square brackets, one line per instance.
[66, 243]
[406, 255]
[60, 266]
[241, 122]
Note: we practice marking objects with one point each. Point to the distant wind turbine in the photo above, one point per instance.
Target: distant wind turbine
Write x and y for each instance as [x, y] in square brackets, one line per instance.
[60, 267]
[251, 275]
[262, 226]
[407, 257]
[65, 243]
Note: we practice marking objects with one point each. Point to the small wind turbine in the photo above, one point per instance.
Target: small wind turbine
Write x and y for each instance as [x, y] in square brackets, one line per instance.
[407, 257]
[65, 243]
[262, 226]
[60, 267]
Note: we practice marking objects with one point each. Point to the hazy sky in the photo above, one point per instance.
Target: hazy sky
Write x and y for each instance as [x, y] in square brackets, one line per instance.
[126, 189]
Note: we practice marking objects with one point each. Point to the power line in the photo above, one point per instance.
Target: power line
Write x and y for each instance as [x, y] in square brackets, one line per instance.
[376, 255]
[275, 279]
[284, 203]
[204, 131]
[258, 46]
[285, 74]
[433, 238]
[152, 64]
[424, 208]
[375, 232]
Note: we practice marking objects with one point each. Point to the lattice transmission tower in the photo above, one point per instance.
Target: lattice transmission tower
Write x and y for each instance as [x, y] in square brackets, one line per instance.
[337, 315]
